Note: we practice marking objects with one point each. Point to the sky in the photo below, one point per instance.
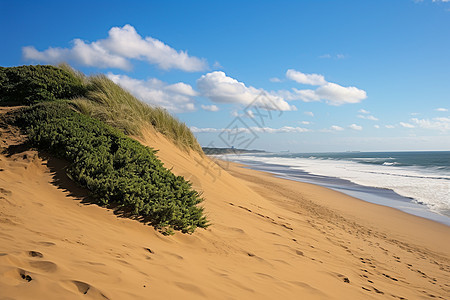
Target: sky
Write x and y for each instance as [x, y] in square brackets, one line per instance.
[298, 76]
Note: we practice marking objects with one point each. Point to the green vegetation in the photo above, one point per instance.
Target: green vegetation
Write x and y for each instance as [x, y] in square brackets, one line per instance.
[115, 168]
[96, 96]
[110, 103]
[26, 85]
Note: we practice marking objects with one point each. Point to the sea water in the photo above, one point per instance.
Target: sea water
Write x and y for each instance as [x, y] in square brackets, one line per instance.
[415, 182]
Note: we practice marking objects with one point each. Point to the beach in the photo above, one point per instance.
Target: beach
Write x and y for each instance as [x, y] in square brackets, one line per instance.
[269, 238]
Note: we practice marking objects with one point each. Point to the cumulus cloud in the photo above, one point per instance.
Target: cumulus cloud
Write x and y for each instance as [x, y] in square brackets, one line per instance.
[335, 94]
[376, 126]
[336, 128]
[441, 109]
[309, 113]
[363, 111]
[275, 79]
[332, 93]
[121, 45]
[91, 55]
[210, 107]
[369, 117]
[175, 98]
[406, 125]
[441, 124]
[305, 122]
[220, 88]
[284, 129]
[310, 79]
[355, 127]
[389, 126]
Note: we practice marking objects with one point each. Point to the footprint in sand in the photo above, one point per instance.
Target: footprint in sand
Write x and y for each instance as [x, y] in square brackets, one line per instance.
[35, 254]
[15, 276]
[45, 266]
[84, 288]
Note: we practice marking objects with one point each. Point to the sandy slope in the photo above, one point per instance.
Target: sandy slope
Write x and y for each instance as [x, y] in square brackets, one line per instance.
[270, 239]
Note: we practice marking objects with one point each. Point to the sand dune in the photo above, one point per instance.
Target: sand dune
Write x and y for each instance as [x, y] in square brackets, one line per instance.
[269, 239]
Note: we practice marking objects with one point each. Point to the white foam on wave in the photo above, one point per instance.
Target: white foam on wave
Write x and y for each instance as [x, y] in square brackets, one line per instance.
[390, 163]
[430, 187]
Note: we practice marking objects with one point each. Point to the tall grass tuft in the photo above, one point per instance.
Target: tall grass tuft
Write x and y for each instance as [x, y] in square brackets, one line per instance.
[110, 103]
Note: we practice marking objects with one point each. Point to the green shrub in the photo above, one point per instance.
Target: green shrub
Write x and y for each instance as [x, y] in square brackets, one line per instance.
[116, 169]
[96, 96]
[26, 85]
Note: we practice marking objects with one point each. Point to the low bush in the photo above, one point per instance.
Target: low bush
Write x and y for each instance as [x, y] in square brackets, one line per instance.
[96, 96]
[27, 85]
[113, 167]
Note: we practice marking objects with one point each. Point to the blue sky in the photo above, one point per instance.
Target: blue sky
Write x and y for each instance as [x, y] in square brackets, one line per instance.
[304, 76]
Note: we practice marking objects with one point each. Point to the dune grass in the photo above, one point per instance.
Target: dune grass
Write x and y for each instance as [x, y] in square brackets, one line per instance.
[110, 103]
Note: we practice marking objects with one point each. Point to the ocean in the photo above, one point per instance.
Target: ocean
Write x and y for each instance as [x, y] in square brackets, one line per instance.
[415, 182]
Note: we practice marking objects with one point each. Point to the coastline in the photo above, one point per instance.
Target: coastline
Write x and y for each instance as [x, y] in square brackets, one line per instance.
[376, 195]
[428, 233]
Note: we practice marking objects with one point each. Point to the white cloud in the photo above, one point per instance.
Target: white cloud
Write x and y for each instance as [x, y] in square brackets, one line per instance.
[309, 113]
[217, 65]
[304, 95]
[332, 93]
[275, 79]
[336, 128]
[205, 130]
[91, 55]
[441, 109]
[363, 111]
[284, 129]
[335, 94]
[220, 88]
[355, 127]
[305, 122]
[389, 126]
[441, 124]
[376, 126]
[175, 98]
[406, 125]
[210, 107]
[122, 44]
[310, 79]
[332, 129]
[370, 117]
[337, 56]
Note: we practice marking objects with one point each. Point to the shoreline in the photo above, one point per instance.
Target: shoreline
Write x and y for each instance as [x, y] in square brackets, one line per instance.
[420, 230]
[375, 195]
